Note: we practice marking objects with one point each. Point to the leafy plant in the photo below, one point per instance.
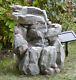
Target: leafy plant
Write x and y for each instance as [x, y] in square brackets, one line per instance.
[7, 23]
[57, 13]
[67, 22]
[54, 8]
[40, 3]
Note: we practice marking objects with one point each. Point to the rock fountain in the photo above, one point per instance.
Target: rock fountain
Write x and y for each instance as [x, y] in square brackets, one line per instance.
[37, 46]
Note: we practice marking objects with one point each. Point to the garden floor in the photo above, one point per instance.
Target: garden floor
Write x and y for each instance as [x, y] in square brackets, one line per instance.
[9, 72]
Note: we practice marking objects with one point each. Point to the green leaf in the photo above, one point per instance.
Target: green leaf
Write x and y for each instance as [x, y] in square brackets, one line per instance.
[0, 1]
[11, 29]
[7, 23]
[1, 13]
[11, 25]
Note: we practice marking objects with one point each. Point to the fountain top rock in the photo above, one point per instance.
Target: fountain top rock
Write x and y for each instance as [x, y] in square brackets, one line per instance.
[29, 15]
[36, 42]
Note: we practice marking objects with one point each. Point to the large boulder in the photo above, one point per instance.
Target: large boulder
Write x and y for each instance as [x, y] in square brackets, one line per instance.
[29, 64]
[36, 42]
[48, 59]
[29, 15]
[60, 53]
[54, 30]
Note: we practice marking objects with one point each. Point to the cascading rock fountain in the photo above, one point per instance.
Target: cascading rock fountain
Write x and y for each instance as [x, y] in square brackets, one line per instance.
[37, 46]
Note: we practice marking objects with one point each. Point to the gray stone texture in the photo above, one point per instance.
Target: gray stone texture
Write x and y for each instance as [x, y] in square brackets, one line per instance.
[37, 45]
[29, 63]
[48, 58]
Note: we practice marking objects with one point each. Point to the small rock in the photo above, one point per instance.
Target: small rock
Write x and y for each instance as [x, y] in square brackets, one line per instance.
[57, 70]
[50, 71]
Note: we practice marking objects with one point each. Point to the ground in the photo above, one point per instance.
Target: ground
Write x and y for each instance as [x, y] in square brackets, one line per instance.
[9, 72]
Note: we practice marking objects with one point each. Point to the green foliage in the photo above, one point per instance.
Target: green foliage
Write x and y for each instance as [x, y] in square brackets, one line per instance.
[57, 13]
[40, 3]
[54, 9]
[67, 22]
[7, 23]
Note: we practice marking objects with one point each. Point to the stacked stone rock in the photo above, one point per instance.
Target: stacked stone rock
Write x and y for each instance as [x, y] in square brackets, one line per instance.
[37, 45]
